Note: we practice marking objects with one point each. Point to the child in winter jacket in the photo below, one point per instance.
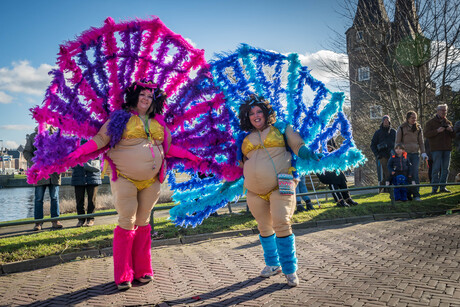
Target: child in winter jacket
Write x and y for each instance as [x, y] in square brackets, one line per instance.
[400, 169]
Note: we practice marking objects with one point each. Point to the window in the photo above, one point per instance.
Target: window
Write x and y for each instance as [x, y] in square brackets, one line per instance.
[364, 74]
[359, 36]
[376, 112]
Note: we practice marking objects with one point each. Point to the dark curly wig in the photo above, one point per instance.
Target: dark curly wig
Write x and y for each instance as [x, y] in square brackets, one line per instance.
[132, 97]
[248, 104]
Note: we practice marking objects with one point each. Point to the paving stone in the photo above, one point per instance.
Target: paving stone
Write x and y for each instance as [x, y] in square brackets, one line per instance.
[405, 262]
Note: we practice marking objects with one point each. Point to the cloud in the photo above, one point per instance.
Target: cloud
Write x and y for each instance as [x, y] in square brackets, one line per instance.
[190, 42]
[5, 98]
[24, 78]
[316, 63]
[11, 145]
[17, 127]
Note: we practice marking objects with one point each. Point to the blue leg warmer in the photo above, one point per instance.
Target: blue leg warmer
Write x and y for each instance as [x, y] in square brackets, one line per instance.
[286, 251]
[270, 250]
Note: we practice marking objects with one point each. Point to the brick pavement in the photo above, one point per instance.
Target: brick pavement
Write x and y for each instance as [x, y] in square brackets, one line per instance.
[406, 262]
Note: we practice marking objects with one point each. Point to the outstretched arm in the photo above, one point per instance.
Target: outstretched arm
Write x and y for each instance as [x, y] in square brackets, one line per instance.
[84, 149]
[100, 140]
[178, 152]
[297, 145]
[307, 154]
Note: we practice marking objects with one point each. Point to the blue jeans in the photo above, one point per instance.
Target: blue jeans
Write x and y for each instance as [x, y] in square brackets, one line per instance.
[302, 188]
[414, 159]
[40, 195]
[441, 162]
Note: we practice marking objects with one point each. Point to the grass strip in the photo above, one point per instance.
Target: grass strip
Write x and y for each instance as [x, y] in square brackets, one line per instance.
[68, 240]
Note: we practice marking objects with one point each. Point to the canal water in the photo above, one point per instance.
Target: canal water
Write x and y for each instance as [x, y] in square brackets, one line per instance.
[18, 203]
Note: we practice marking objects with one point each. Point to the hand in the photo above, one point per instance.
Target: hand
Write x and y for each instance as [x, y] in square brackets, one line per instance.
[450, 129]
[306, 154]
[424, 156]
[74, 155]
[392, 173]
[387, 183]
[440, 129]
[192, 157]
[84, 149]
[319, 155]
[413, 182]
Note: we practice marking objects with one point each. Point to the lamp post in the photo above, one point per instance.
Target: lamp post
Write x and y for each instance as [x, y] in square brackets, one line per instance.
[3, 162]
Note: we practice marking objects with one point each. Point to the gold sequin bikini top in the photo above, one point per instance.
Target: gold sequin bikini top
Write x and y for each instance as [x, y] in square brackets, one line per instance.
[274, 139]
[135, 129]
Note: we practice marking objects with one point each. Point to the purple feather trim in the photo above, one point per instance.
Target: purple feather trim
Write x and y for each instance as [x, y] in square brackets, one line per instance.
[117, 125]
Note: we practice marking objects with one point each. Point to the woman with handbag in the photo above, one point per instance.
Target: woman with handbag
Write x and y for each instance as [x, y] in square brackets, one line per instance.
[139, 140]
[410, 134]
[268, 178]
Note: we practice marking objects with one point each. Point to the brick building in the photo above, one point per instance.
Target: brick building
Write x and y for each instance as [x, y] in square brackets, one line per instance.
[379, 84]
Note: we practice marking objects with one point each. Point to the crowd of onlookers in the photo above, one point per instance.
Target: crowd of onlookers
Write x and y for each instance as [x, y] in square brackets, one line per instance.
[398, 152]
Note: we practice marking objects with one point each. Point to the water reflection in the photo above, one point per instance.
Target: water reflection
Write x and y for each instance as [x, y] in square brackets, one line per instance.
[18, 203]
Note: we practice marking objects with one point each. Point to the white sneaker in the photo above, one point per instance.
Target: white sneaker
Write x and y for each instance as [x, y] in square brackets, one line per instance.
[145, 279]
[417, 199]
[124, 285]
[270, 271]
[292, 279]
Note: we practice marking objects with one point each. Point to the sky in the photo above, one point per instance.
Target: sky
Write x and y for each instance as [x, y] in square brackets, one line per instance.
[31, 32]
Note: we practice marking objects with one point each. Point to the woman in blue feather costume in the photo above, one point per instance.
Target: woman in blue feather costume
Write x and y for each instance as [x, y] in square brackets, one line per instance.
[266, 159]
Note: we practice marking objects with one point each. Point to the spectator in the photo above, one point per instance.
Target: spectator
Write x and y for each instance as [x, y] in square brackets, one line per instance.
[382, 145]
[302, 188]
[410, 134]
[53, 183]
[440, 132]
[86, 178]
[400, 169]
[337, 182]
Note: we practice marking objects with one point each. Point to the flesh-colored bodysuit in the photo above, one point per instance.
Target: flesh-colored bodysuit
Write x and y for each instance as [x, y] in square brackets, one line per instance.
[271, 210]
[137, 189]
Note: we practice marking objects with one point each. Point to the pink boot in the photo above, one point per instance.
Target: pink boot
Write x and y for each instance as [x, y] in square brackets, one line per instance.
[142, 261]
[122, 255]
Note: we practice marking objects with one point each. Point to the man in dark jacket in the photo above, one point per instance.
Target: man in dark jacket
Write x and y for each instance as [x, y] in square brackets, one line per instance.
[382, 145]
[440, 133]
[53, 183]
[86, 178]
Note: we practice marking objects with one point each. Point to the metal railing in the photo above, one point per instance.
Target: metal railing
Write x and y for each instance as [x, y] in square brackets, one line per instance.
[241, 200]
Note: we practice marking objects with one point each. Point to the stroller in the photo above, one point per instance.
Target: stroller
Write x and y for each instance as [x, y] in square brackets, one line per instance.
[400, 193]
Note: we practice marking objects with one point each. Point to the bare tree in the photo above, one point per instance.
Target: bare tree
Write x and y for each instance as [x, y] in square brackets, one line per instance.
[403, 80]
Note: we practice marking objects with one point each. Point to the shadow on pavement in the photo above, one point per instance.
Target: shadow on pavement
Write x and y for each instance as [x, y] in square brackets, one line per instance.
[79, 296]
[233, 300]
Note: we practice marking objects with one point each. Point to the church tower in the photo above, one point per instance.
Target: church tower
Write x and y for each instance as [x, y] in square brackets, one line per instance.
[379, 84]
[367, 45]
[406, 20]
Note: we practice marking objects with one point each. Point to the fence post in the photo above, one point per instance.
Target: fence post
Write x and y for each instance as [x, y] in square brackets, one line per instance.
[392, 195]
[152, 223]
